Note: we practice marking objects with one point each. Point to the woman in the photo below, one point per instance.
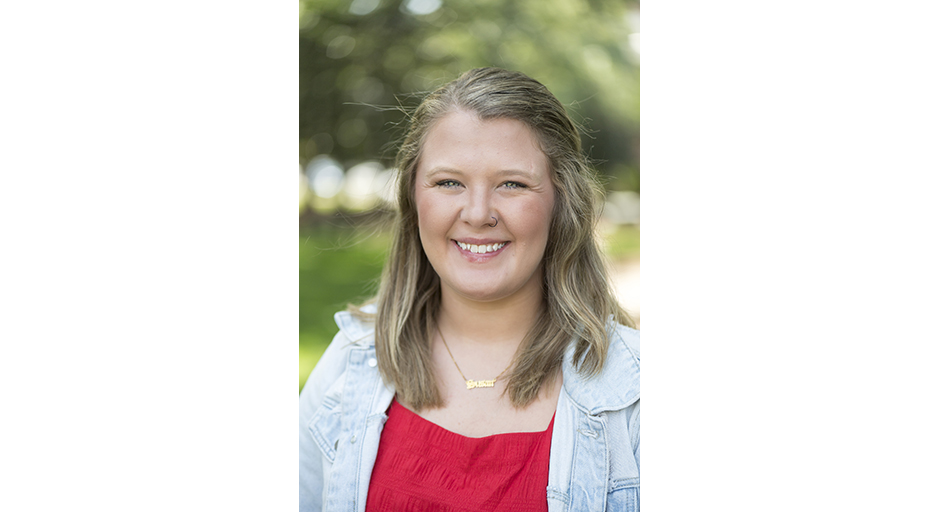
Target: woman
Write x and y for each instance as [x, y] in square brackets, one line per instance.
[495, 369]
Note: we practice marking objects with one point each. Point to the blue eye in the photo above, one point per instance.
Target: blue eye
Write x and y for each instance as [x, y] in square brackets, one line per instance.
[514, 185]
[448, 183]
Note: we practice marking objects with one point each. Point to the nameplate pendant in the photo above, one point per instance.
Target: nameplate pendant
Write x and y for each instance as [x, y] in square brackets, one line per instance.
[480, 383]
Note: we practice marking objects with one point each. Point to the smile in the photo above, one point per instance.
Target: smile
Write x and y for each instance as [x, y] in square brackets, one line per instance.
[481, 249]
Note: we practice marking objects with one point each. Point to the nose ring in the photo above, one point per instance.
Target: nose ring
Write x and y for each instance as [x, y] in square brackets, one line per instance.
[495, 222]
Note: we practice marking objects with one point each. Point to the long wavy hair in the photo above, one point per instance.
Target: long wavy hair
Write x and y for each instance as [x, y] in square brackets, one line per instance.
[578, 299]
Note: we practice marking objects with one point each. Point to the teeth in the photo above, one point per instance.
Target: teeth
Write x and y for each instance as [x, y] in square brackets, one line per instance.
[481, 249]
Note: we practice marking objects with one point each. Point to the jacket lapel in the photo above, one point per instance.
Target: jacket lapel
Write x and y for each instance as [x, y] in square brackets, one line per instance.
[579, 468]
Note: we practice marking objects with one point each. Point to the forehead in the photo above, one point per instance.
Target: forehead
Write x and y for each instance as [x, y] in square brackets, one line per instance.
[462, 141]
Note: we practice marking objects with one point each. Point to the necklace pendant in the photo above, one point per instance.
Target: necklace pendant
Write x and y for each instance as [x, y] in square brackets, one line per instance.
[480, 383]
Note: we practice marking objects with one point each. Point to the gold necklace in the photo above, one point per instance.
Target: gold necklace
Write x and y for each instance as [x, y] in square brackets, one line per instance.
[471, 384]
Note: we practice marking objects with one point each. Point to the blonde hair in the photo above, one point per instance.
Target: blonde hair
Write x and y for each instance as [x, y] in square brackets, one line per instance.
[577, 296]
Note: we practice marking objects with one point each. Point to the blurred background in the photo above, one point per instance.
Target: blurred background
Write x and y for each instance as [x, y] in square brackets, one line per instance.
[363, 61]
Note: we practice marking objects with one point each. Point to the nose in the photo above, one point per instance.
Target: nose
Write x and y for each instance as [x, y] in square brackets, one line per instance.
[478, 209]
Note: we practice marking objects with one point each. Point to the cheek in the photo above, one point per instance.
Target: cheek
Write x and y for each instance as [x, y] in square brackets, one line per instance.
[546, 210]
[421, 208]
[533, 231]
[429, 218]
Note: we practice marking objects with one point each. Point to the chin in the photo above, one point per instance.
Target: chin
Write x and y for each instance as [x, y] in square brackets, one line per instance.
[475, 291]
[481, 295]
[486, 293]
[482, 288]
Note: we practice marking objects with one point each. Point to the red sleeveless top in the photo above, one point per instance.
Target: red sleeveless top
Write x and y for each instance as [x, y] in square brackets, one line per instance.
[423, 467]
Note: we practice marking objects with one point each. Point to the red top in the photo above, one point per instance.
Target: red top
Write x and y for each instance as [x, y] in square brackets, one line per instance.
[423, 467]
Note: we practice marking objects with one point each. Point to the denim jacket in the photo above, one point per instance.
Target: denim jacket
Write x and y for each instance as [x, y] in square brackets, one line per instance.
[595, 454]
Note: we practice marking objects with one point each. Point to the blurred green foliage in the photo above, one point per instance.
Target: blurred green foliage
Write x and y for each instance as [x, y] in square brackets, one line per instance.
[338, 266]
[362, 59]
[622, 243]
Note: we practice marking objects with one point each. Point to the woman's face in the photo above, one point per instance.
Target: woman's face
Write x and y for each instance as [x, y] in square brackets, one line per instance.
[471, 175]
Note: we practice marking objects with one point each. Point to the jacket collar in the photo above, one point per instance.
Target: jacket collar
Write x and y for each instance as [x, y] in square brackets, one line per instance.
[618, 384]
[354, 329]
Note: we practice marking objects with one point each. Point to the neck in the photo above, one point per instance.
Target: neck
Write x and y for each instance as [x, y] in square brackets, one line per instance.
[502, 323]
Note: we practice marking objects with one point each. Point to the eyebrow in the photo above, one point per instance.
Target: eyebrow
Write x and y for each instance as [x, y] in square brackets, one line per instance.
[502, 173]
[442, 170]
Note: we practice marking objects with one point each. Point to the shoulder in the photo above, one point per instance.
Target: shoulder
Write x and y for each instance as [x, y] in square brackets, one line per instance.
[355, 328]
[622, 366]
[354, 333]
[617, 386]
[321, 402]
[625, 340]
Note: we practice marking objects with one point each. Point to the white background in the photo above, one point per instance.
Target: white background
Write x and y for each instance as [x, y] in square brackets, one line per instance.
[148, 284]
